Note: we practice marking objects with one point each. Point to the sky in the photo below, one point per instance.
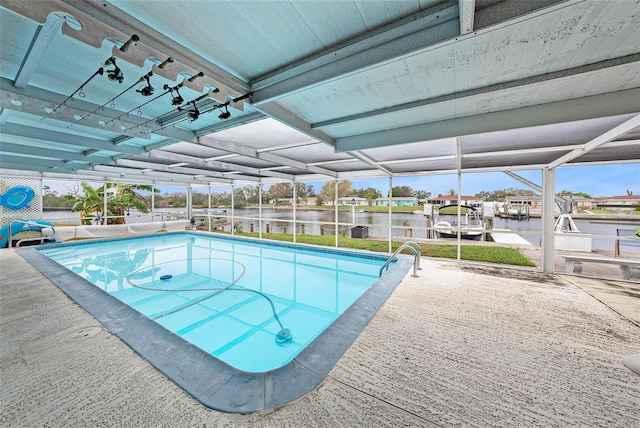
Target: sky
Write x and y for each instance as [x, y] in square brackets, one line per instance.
[599, 180]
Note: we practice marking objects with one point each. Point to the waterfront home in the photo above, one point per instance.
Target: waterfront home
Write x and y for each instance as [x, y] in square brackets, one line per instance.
[396, 201]
[443, 201]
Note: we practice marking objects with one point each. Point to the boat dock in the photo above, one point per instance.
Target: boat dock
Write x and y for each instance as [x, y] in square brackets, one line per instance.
[506, 236]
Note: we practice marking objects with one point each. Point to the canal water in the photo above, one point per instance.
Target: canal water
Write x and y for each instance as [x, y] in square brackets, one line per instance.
[322, 221]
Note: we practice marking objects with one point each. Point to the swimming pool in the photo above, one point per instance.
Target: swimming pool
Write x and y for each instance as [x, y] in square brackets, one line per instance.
[223, 340]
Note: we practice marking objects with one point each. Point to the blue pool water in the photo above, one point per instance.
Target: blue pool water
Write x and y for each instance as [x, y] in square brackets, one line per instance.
[232, 298]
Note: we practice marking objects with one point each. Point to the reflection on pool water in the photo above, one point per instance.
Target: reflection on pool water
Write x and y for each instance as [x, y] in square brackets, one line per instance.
[253, 304]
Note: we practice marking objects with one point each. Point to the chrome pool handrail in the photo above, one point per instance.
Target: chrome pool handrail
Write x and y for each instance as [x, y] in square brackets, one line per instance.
[415, 248]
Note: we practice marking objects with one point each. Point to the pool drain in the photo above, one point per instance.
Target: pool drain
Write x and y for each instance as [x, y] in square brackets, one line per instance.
[83, 333]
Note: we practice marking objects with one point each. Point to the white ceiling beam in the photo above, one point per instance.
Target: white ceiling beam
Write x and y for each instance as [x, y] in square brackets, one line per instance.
[538, 150]
[239, 177]
[288, 146]
[523, 180]
[365, 173]
[503, 86]
[603, 105]
[20, 149]
[43, 135]
[336, 161]
[168, 168]
[518, 152]
[409, 34]
[133, 172]
[227, 146]
[40, 102]
[224, 166]
[31, 163]
[103, 20]
[271, 157]
[232, 122]
[366, 159]
[423, 159]
[90, 175]
[281, 114]
[213, 142]
[599, 141]
[39, 45]
[467, 13]
[505, 12]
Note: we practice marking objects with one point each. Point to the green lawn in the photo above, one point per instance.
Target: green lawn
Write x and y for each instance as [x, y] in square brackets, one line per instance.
[481, 253]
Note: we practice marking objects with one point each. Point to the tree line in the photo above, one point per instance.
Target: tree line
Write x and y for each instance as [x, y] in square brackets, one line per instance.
[83, 197]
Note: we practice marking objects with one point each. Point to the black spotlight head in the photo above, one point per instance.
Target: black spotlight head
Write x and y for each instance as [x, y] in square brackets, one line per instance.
[224, 114]
[115, 75]
[176, 99]
[145, 91]
[193, 115]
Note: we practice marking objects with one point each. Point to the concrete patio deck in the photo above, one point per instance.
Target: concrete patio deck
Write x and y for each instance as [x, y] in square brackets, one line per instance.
[463, 345]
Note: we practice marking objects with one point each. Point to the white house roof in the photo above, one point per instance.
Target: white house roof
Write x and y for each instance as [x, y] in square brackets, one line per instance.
[315, 90]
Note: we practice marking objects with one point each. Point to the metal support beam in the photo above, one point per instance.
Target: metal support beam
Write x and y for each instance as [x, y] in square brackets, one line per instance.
[39, 45]
[115, 172]
[616, 132]
[507, 10]
[548, 219]
[369, 161]
[610, 104]
[31, 151]
[230, 147]
[498, 87]
[285, 116]
[38, 102]
[104, 18]
[219, 177]
[410, 34]
[277, 159]
[224, 166]
[45, 165]
[467, 14]
[63, 138]
[560, 201]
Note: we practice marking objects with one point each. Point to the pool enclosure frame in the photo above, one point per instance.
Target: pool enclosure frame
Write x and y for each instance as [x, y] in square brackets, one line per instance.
[548, 211]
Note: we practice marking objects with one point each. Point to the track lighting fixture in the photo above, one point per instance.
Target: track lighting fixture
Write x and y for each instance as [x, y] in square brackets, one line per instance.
[116, 73]
[148, 90]
[175, 99]
[224, 114]
[192, 115]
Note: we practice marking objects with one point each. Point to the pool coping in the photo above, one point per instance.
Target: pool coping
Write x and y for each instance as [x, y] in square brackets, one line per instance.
[209, 380]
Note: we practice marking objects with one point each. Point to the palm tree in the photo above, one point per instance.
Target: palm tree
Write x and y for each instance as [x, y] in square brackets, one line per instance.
[120, 197]
[89, 205]
[125, 197]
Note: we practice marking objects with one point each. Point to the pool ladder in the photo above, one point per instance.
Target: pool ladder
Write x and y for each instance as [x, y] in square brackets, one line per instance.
[415, 248]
